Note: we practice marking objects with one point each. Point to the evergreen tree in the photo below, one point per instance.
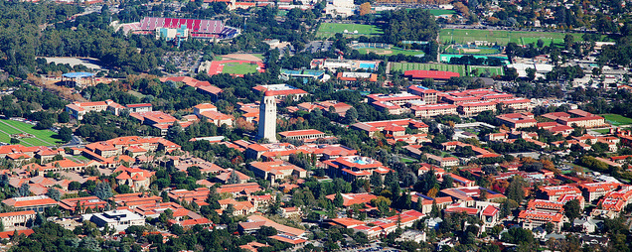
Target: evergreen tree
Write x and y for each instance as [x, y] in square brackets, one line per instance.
[376, 180]
[338, 200]
[234, 178]
[103, 191]
[447, 182]
[435, 212]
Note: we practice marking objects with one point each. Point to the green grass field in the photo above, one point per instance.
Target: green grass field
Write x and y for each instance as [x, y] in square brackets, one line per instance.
[482, 69]
[42, 137]
[419, 66]
[602, 131]
[504, 37]
[617, 120]
[441, 12]
[475, 51]
[236, 68]
[327, 30]
[392, 51]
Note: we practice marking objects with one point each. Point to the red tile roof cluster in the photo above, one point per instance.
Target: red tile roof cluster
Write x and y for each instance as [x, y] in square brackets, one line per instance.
[350, 199]
[534, 215]
[427, 74]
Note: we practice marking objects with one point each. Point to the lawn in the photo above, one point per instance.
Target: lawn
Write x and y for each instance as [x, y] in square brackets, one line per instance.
[601, 131]
[473, 51]
[435, 12]
[408, 160]
[392, 51]
[482, 69]
[327, 30]
[419, 66]
[239, 68]
[135, 93]
[617, 120]
[42, 137]
[503, 37]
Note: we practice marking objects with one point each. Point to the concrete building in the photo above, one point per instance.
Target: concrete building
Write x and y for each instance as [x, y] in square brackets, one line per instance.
[432, 110]
[302, 134]
[15, 220]
[276, 170]
[267, 118]
[117, 219]
[427, 95]
[517, 120]
[35, 203]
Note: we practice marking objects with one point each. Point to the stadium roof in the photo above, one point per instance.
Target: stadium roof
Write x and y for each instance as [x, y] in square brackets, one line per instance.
[77, 75]
[427, 74]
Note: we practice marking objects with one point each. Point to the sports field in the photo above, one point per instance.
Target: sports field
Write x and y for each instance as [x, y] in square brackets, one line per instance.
[236, 67]
[503, 37]
[483, 69]
[327, 30]
[419, 66]
[472, 51]
[239, 68]
[42, 137]
[392, 51]
[435, 12]
[617, 120]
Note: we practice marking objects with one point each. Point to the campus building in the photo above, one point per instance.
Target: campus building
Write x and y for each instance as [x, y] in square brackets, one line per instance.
[352, 168]
[432, 110]
[429, 96]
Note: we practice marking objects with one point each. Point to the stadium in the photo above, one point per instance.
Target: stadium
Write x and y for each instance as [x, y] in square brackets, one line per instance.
[199, 28]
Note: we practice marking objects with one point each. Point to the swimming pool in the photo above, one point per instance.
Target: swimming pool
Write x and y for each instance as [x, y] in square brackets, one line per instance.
[367, 65]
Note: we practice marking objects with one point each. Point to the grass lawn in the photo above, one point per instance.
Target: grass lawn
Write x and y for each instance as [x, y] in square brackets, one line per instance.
[482, 69]
[259, 55]
[617, 120]
[408, 160]
[236, 68]
[392, 51]
[475, 51]
[137, 94]
[504, 37]
[42, 137]
[435, 12]
[327, 30]
[602, 131]
[420, 66]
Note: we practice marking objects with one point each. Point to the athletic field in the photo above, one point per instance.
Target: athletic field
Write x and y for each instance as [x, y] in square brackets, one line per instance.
[617, 120]
[327, 30]
[42, 137]
[472, 51]
[463, 36]
[392, 51]
[420, 66]
[236, 67]
[435, 12]
[483, 69]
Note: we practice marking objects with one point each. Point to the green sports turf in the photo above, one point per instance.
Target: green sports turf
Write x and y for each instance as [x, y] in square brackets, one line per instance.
[327, 30]
[237, 68]
[481, 51]
[483, 69]
[503, 37]
[441, 12]
[392, 51]
[617, 120]
[420, 66]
